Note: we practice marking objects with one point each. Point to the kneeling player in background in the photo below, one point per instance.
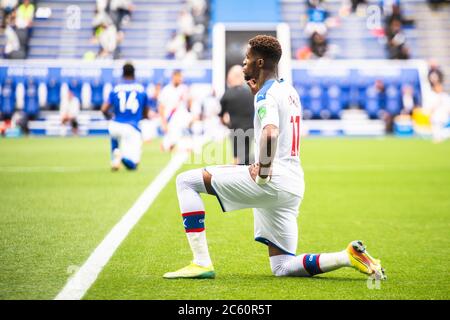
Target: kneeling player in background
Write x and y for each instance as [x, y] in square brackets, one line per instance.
[273, 187]
[69, 111]
[129, 102]
[174, 109]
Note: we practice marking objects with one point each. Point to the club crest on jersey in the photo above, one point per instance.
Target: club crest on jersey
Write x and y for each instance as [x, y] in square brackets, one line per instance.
[262, 111]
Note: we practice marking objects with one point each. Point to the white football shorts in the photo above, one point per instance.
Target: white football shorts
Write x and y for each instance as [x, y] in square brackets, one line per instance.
[130, 140]
[178, 123]
[275, 211]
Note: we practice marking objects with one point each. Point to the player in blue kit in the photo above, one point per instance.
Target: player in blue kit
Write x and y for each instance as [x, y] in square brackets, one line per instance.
[53, 93]
[31, 104]
[8, 99]
[97, 94]
[129, 103]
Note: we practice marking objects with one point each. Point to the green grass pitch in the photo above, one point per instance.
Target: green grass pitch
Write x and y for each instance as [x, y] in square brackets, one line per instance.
[58, 200]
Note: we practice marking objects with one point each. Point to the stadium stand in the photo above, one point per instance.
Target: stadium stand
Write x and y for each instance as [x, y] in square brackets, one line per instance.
[91, 82]
[62, 35]
[326, 93]
[152, 20]
[349, 39]
[66, 35]
[327, 89]
[430, 38]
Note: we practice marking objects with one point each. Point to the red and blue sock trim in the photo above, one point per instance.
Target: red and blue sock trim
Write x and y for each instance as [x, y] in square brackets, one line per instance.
[311, 264]
[194, 221]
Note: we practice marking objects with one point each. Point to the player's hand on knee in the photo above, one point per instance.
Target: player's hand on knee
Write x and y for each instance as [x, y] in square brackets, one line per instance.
[254, 170]
[255, 173]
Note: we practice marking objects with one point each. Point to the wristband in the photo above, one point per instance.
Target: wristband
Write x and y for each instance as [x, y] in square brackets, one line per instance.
[262, 181]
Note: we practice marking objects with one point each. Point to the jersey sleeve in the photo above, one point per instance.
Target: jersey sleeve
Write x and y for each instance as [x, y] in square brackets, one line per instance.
[267, 111]
[162, 96]
[111, 98]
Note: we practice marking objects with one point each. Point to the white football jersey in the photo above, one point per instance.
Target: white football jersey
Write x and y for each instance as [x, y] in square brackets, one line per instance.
[278, 103]
[174, 98]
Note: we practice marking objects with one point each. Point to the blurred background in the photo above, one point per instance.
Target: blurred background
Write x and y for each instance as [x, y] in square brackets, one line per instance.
[361, 67]
[373, 77]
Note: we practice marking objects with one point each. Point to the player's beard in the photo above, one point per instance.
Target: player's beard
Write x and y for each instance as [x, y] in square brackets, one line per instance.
[249, 75]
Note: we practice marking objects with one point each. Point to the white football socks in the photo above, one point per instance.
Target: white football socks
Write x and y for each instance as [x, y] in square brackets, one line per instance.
[199, 247]
[189, 186]
[333, 261]
[307, 265]
[287, 265]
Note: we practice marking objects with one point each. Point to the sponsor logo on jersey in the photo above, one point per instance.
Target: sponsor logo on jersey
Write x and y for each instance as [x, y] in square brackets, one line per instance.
[262, 111]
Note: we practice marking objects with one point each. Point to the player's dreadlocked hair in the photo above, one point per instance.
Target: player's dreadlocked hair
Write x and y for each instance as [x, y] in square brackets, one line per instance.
[267, 46]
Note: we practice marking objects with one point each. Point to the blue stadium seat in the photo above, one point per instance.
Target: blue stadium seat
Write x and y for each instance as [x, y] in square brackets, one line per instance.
[303, 92]
[392, 81]
[335, 103]
[393, 100]
[96, 93]
[361, 84]
[374, 103]
[301, 77]
[353, 95]
[409, 76]
[344, 85]
[8, 98]
[31, 103]
[53, 93]
[317, 103]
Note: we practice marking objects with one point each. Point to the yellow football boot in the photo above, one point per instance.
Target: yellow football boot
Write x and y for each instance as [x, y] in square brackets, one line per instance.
[363, 262]
[192, 271]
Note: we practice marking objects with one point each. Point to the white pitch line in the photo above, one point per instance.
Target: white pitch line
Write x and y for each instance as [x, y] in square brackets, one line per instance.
[46, 169]
[81, 281]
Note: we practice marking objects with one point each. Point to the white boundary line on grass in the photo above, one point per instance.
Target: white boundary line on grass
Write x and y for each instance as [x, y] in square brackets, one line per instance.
[81, 281]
